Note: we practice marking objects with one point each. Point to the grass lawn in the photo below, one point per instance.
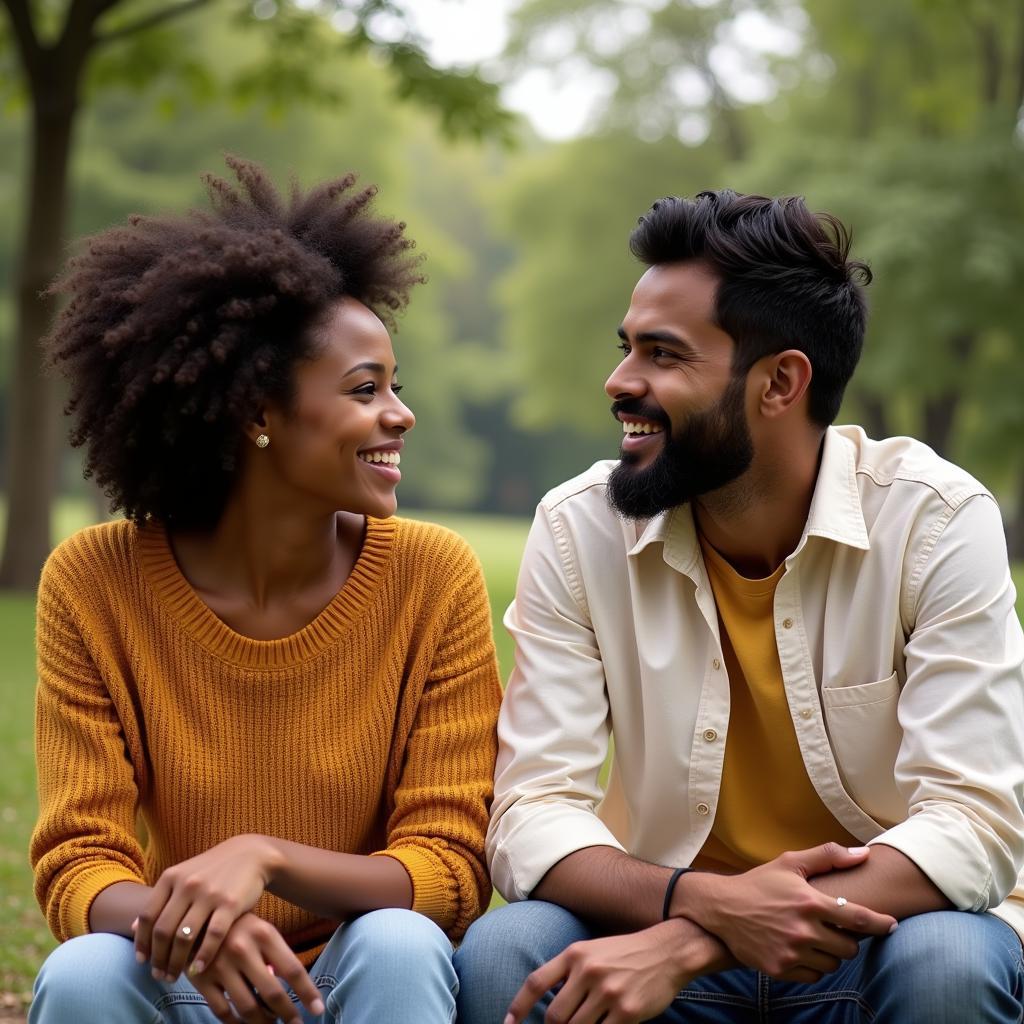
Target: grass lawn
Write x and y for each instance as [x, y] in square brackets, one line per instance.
[24, 939]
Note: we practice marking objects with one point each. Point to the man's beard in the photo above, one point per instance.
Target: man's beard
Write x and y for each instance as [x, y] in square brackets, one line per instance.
[711, 449]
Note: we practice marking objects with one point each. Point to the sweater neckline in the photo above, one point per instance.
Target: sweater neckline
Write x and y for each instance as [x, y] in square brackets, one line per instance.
[188, 609]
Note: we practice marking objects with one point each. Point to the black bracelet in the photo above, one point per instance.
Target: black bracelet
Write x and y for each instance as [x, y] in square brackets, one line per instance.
[671, 888]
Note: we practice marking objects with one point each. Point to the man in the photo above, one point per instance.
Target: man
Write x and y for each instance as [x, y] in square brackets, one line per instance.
[805, 645]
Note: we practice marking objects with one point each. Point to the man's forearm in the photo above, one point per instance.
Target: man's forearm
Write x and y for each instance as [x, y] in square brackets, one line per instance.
[889, 882]
[607, 887]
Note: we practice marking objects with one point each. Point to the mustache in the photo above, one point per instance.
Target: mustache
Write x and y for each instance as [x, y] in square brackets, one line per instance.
[636, 407]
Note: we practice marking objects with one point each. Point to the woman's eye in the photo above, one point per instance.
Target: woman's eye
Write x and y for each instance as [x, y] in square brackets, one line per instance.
[396, 388]
[623, 348]
[366, 389]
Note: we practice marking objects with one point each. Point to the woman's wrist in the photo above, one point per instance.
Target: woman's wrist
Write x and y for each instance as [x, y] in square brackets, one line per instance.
[265, 852]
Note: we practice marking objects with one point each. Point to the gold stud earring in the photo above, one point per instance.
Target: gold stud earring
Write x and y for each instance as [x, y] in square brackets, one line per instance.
[262, 441]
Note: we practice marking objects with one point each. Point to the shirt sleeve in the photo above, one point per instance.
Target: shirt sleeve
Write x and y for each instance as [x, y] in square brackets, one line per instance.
[961, 761]
[85, 838]
[553, 730]
[440, 804]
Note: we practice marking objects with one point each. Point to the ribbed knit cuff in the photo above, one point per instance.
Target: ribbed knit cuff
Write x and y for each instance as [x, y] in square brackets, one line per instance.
[84, 888]
[432, 892]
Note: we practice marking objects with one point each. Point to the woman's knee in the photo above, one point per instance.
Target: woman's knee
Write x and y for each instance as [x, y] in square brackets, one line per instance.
[397, 938]
[82, 978]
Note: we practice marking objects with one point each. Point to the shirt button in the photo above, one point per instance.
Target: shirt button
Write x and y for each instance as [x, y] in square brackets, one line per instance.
[703, 809]
[716, 664]
[805, 713]
[787, 623]
[710, 735]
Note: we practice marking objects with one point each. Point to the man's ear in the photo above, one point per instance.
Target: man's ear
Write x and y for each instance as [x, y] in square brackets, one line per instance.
[787, 376]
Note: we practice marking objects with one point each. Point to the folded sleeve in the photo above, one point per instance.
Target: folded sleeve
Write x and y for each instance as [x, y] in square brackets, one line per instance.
[85, 838]
[553, 731]
[961, 761]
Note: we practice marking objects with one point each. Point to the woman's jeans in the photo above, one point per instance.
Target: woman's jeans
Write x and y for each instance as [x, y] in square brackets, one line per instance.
[940, 968]
[391, 966]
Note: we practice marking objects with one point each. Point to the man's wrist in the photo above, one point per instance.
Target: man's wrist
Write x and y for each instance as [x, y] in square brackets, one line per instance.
[693, 897]
[691, 950]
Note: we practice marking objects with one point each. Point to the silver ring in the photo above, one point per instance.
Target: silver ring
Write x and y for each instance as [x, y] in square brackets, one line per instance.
[186, 931]
[841, 901]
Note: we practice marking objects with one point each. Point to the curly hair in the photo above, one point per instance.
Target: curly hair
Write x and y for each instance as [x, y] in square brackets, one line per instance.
[179, 329]
[786, 280]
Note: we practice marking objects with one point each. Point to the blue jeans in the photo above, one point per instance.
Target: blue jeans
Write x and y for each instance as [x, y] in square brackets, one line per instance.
[389, 965]
[940, 968]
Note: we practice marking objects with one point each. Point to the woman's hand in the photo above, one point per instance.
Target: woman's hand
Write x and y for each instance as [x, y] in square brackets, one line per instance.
[242, 982]
[197, 901]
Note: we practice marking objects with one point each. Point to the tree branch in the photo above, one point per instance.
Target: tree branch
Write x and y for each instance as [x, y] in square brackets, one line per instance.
[24, 32]
[150, 21]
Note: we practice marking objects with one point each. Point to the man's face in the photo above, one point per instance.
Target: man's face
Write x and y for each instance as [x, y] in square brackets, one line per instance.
[683, 412]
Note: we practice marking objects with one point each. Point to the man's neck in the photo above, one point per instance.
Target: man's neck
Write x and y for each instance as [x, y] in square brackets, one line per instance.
[756, 522]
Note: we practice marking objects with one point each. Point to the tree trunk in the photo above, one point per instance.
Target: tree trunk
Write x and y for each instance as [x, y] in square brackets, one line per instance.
[876, 417]
[940, 412]
[1015, 526]
[32, 423]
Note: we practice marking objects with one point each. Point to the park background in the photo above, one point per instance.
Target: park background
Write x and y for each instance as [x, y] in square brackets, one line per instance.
[519, 141]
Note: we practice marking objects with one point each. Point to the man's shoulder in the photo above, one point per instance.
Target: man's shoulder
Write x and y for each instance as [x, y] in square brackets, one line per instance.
[588, 489]
[905, 460]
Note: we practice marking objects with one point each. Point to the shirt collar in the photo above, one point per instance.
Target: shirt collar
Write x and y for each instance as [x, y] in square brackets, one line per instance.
[835, 511]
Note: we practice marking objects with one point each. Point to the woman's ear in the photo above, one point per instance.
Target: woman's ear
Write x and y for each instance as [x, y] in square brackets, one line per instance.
[788, 378]
[256, 428]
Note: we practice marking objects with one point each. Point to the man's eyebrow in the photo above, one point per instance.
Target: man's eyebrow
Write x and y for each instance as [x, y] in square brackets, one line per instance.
[654, 336]
[372, 367]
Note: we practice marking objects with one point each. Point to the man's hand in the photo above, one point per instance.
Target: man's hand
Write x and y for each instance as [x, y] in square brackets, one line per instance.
[622, 979]
[242, 982]
[199, 899]
[772, 919]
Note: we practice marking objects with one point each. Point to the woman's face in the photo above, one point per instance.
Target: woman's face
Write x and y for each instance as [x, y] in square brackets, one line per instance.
[341, 437]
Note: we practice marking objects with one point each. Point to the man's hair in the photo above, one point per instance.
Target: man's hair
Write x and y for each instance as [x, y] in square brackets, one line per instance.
[785, 280]
[179, 329]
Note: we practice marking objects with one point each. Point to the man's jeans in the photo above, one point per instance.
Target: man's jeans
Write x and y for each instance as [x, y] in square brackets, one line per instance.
[391, 966]
[940, 968]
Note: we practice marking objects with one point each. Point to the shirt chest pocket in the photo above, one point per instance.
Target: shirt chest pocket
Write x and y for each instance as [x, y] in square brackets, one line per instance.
[865, 736]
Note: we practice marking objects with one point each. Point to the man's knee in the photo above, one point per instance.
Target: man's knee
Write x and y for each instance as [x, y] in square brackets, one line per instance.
[948, 966]
[502, 948]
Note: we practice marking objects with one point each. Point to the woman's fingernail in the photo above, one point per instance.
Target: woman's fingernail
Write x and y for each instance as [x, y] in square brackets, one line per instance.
[135, 924]
[858, 850]
[158, 975]
[197, 968]
[509, 1019]
[318, 1006]
[894, 927]
[140, 957]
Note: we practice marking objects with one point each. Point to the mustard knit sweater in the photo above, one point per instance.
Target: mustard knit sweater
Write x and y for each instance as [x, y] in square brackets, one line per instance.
[371, 730]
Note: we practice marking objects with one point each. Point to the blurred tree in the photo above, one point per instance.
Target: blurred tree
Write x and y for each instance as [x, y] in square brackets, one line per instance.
[74, 50]
[915, 109]
[902, 116]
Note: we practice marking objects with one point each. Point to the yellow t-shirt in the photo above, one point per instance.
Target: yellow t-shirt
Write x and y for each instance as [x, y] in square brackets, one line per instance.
[766, 804]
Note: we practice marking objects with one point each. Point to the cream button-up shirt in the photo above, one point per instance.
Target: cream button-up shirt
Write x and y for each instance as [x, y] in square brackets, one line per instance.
[901, 658]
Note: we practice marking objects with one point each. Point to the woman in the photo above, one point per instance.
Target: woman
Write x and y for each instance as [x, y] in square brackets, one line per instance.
[293, 693]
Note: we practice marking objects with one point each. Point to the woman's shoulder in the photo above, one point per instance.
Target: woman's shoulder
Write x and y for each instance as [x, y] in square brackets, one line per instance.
[435, 548]
[92, 554]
